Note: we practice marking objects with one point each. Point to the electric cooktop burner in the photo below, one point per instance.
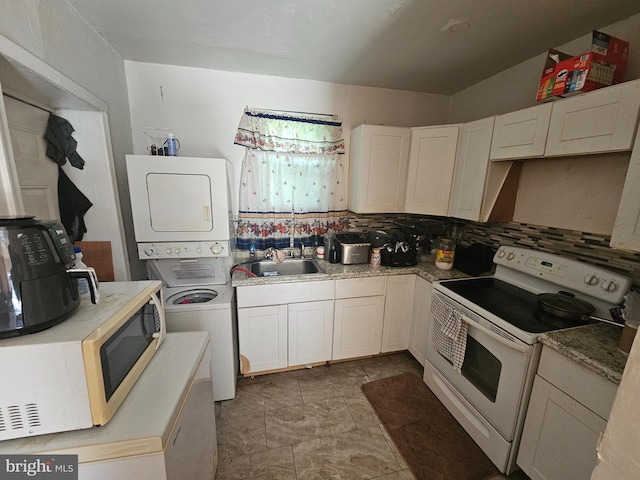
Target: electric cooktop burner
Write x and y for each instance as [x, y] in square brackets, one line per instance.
[510, 303]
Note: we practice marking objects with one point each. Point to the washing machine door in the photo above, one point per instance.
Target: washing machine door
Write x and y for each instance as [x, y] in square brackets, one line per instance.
[190, 297]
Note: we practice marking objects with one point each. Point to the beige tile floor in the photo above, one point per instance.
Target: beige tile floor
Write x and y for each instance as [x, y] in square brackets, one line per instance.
[311, 424]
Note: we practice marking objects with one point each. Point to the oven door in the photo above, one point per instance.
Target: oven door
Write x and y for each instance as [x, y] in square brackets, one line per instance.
[495, 372]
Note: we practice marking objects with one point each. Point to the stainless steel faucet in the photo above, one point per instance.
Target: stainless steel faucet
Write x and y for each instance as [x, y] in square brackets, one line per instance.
[301, 249]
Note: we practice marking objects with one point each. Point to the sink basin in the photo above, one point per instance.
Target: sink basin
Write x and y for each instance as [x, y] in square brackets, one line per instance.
[290, 266]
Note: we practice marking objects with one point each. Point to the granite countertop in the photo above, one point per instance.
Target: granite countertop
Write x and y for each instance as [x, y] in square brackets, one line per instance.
[335, 271]
[593, 346]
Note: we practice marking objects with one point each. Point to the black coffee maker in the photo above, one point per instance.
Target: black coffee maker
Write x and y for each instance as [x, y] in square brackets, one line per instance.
[397, 247]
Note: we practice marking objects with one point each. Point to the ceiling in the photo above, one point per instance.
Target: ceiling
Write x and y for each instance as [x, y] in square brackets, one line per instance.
[398, 44]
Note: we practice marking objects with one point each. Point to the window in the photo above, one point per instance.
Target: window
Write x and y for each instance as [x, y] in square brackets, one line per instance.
[292, 184]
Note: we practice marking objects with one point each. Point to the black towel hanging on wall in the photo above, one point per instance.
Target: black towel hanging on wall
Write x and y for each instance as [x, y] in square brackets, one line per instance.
[73, 206]
[61, 146]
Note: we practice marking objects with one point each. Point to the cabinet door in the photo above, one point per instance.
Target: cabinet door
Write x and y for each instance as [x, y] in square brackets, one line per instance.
[357, 328]
[262, 338]
[600, 121]
[398, 307]
[431, 160]
[626, 229]
[560, 436]
[420, 320]
[378, 169]
[310, 332]
[471, 169]
[521, 134]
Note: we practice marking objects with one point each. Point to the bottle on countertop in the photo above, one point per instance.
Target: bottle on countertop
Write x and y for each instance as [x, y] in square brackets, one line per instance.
[83, 283]
[172, 145]
[375, 257]
[331, 248]
[445, 252]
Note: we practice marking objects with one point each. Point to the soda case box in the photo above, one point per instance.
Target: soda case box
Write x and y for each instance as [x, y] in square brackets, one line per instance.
[604, 65]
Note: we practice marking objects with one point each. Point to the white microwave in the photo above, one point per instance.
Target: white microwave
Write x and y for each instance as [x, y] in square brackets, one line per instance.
[76, 374]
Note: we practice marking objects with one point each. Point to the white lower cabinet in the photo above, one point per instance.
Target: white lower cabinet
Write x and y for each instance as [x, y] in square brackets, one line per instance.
[296, 329]
[292, 324]
[398, 308]
[420, 320]
[310, 328]
[262, 335]
[358, 317]
[567, 413]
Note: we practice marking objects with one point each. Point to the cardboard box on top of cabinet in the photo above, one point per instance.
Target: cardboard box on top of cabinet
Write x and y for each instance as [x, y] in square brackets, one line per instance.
[604, 65]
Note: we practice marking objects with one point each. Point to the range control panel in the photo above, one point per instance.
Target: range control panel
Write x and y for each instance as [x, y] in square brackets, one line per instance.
[572, 274]
[148, 251]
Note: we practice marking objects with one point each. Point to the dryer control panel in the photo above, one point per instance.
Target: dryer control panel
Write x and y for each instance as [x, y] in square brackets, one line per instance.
[147, 251]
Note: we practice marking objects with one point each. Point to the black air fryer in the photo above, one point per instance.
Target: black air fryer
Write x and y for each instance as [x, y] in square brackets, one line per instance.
[36, 291]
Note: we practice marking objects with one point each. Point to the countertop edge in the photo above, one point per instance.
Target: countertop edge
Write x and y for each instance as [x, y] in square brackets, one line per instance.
[425, 268]
[595, 347]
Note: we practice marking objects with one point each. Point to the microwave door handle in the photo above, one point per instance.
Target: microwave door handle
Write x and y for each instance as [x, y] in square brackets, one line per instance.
[499, 338]
[157, 300]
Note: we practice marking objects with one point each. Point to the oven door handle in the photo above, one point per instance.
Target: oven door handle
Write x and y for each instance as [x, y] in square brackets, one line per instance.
[524, 349]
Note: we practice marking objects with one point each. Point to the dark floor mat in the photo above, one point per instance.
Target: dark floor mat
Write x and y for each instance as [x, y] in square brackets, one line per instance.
[431, 441]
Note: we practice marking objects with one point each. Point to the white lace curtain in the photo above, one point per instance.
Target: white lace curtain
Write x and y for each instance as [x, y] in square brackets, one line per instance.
[290, 132]
[292, 182]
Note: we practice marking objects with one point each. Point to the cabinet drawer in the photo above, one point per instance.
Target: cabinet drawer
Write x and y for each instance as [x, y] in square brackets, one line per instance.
[361, 287]
[590, 389]
[283, 293]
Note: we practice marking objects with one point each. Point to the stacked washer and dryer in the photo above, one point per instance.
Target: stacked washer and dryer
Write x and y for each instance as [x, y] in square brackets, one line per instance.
[184, 231]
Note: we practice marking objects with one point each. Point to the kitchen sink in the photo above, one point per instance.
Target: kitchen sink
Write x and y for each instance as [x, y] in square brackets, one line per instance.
[290, 266]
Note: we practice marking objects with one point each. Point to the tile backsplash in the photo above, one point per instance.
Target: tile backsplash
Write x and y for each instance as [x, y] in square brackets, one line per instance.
[587, 247]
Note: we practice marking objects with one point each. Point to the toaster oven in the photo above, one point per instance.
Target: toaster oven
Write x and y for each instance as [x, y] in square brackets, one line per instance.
[353, 248]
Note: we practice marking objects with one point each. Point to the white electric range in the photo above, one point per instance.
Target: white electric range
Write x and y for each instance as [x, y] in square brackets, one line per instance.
[483, 350]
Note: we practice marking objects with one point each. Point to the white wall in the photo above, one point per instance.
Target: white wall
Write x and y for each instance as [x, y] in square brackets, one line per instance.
[96, 180]
[516, 87]
[619, 451]
[56, 34]
[203, 107]
[550, 191]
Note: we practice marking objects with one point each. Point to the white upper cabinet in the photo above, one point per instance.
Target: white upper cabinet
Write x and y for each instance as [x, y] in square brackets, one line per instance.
[626, 229]
[431, 162]
[378, 169]
[471, 169]
[599, 121]
[521, 134]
